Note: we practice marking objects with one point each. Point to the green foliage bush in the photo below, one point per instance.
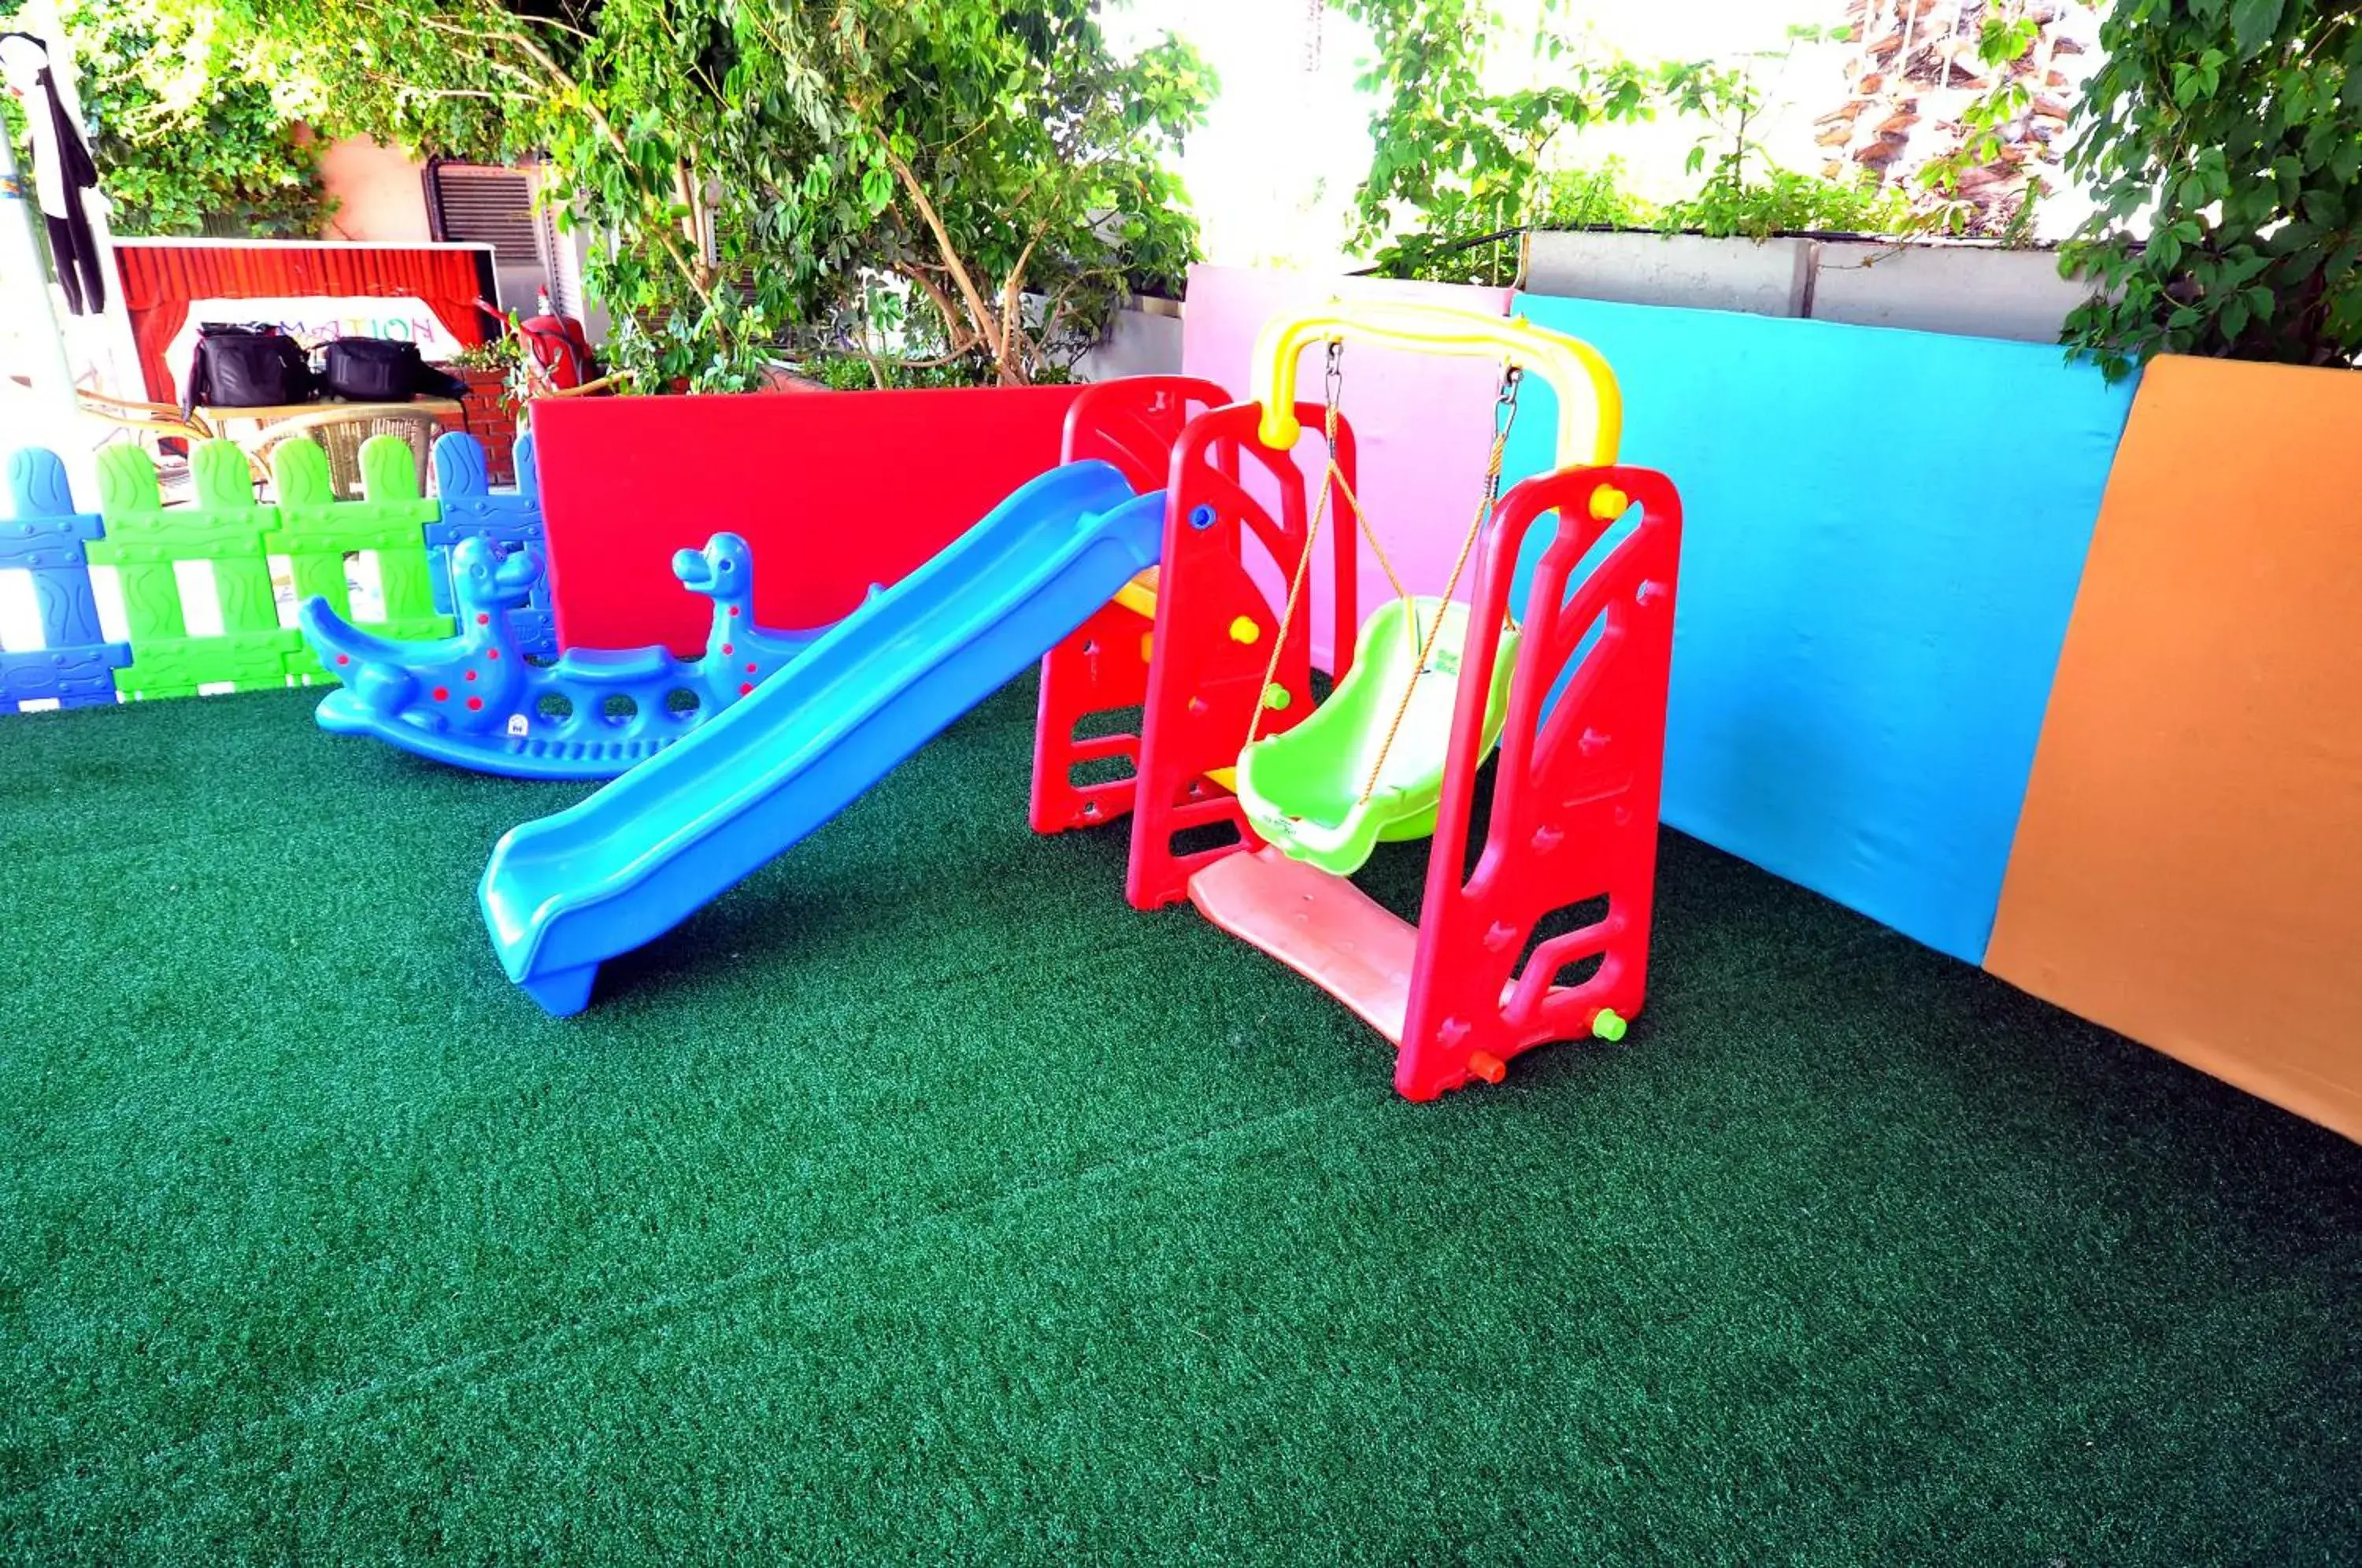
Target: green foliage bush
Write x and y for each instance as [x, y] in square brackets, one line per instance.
[1454, 157]
[1782, 200]
[775, 172]
[2238, 124]
[186, 138]
[1469, 162]
[1592, 198]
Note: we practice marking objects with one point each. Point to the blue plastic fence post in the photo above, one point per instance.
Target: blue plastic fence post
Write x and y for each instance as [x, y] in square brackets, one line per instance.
[473, 508]
[44, 536]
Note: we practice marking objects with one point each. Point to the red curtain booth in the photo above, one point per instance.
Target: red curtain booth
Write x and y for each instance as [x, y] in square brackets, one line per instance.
[160, 277]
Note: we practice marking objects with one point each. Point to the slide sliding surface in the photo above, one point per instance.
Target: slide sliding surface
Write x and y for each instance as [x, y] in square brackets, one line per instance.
[563, 894]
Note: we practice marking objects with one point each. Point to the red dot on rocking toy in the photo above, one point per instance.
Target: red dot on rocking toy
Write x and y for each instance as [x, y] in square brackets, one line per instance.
[471, 675]
[491, 653]
[745, 687]
[442, 694]
[733, 608]
[344, 658]
[483, 619]
[474, 704]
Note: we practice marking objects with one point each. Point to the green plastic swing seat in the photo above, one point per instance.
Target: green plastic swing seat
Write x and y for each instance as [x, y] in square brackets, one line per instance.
[1302, 789]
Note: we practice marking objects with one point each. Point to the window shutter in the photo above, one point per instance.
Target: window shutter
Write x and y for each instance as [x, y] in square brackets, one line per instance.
[481, 204]
[489, 206]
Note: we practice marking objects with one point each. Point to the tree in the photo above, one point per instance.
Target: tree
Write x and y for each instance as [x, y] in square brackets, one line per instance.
[1465, 161]
[1459, 158]
[2239, 122]
[181, 134]
[1745, 191]
[945, 180]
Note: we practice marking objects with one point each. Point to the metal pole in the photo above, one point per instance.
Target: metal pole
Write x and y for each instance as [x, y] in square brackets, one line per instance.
[42, 413]
[104, 343]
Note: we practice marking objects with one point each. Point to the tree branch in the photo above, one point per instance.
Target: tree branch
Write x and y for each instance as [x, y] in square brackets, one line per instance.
[927, 215]
[573, 89]
[1012, 338]
[960, 338]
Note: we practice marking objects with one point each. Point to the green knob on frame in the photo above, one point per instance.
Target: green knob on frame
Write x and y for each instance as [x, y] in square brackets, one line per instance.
[1609, 1025]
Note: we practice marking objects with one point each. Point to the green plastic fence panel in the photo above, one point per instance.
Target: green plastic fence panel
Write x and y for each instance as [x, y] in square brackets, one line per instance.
[226, 528]
[316, 531]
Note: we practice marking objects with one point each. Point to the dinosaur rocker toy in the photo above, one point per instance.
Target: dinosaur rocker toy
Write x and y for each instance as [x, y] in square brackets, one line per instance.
[476, 701]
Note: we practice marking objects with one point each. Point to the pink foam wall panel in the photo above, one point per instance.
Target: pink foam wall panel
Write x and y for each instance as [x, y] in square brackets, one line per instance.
[1424, 423]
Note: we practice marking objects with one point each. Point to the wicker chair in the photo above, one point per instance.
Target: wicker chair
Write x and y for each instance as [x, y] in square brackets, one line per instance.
[340, 432]
[154, 426]
[160, 419]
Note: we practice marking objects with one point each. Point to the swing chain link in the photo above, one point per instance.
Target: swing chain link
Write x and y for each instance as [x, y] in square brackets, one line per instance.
[1332, 378]
[1504, 403]
[1505, 416]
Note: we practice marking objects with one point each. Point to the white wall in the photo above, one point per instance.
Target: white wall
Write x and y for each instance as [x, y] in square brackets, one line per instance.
[381, 193]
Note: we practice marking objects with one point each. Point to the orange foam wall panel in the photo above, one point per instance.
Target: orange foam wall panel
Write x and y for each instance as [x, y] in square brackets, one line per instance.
[2188, 868]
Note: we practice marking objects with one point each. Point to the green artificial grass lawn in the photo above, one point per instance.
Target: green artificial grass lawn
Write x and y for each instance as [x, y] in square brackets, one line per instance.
[920, 1201]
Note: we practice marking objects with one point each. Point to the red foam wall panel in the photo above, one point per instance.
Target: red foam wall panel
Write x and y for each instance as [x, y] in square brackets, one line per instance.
[834, 491]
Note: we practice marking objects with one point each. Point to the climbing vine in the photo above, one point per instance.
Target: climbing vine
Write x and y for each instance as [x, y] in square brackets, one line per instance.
[186, 138]
[2006, 36]
[2237, 126]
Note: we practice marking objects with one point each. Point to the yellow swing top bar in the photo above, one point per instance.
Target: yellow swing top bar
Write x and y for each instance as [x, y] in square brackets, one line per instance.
[1590, 408]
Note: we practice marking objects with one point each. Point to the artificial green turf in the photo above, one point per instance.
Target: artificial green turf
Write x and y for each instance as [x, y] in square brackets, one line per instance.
[920, 1201]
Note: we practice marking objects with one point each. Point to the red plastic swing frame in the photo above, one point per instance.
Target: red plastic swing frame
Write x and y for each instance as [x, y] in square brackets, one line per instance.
[1210, 636]
[1575, 795]
[1102, 669]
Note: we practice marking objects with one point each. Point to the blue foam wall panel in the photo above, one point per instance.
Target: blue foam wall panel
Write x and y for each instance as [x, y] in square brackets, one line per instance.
[1884, 533]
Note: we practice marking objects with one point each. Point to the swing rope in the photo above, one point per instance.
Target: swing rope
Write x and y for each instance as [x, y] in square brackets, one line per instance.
[1505, 417]
[1332, 479]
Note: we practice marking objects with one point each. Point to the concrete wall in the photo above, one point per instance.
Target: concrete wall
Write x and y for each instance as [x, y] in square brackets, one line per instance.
[1142, 342]
[2015, 295]
[1963, 289]
[380, 193]
[1771, 279]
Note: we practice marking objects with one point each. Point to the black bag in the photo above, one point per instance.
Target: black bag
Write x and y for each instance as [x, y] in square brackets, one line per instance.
[246, 367]
[370, 369]
[434, 380]
[381, 369]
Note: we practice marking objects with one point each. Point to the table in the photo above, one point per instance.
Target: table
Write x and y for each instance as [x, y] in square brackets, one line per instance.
[221, 419]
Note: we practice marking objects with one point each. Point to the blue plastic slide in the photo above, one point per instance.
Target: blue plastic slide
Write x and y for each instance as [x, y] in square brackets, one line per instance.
[566, 893]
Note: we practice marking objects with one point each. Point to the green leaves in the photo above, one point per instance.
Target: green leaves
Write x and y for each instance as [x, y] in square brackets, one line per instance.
[2243, 120]
[1779, 200]
[2003, 39]
[2252, 23]
[2245, 116]
[763, 174]
[184, 132]
[1455, 160]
